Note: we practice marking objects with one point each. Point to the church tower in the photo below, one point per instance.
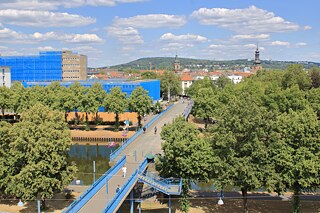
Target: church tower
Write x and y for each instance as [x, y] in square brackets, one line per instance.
[257, 57]
[256, 63]
[176, 64]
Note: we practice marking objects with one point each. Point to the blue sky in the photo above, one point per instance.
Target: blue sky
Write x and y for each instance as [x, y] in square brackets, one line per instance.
[110, 32]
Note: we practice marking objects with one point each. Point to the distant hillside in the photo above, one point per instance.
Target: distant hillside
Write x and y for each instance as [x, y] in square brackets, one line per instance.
[167, 63]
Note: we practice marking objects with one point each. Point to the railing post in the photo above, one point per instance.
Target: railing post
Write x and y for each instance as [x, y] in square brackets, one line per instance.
[169, 203]
[131, 201]
[94, 171]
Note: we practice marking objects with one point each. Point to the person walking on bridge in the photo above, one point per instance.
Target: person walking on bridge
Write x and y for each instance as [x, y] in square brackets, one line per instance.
[155, 130]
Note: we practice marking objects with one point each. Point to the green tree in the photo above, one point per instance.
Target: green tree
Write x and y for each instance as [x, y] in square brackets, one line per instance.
[6, 136]
[140, 102]
[204, 104]
[78, 93]
[193, 90]
[149, 75]
[88, 104]
[222, 82]
[239, 143]
[19, 98]
[170, 84]
[116, 101]
[315, 77]
[186, 155]
[5, 95]
[313, 97]
[295, 75]
[98, 94]
[38, 155]
[295, 152]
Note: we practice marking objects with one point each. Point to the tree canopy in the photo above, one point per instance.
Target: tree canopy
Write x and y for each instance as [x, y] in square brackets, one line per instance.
[36, 155]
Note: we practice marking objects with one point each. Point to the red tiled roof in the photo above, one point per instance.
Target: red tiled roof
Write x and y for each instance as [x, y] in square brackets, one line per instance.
[186, 78]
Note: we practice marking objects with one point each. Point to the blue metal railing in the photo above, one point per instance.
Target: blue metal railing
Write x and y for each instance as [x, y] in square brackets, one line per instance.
[88, 194]
[115, 153]
[188, 110]
[114, 203]
[165, 184]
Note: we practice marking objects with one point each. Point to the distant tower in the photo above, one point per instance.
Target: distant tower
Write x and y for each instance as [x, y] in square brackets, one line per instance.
[256, 63]
[256, 57]
[176, 64]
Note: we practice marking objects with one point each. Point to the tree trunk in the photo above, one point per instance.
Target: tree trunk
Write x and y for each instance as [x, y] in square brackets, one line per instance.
[66, 116]
[296, 200]
[245, 199]
[43, 204]
[96, 119]
[87, 125]
[206, 122]
[2, 112]
[139, 120]
[117, 121]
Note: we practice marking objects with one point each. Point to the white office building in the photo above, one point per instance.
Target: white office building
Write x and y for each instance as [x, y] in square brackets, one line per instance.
[5, 76]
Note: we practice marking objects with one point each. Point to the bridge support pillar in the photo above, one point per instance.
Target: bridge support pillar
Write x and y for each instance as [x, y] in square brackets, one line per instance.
[169, 203]
[131, 201]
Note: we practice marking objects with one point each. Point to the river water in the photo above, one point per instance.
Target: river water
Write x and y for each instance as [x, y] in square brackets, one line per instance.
[84, 155]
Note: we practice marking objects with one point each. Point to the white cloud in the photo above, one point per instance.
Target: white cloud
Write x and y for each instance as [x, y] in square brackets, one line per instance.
[248, 20]
[151, 21]
[46, 48]
[251, 37]
[55, 4]
[17, 37]
[126, 35]
[43, 18]
[301, 44]
[307, 27]
[183, 38]
[280, 43]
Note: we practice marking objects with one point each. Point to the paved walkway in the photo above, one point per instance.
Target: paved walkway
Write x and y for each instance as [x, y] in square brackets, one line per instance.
[144, 144]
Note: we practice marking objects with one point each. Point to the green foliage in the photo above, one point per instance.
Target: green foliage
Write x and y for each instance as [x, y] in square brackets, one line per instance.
[204, 104]
[295, 75]
[5, 94]
[193, 90]
[38, 150]
[222, 82]
[296, 152]
[170, 84]
[315, 77]
[149, 75]
[186, 155]
[116, 101]
[140, 102]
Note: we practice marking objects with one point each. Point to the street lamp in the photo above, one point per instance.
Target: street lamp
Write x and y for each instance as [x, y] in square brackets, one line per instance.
[220, 201]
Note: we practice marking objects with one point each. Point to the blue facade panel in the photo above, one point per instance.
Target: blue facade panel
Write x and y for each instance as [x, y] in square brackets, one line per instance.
[152, 86]
[47, 66]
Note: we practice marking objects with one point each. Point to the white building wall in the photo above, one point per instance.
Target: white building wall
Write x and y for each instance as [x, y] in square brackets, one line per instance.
[235, 78]
[185, 85]
[5, 76]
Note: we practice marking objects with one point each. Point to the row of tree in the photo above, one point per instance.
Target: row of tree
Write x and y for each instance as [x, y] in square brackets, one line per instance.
[34, 152]
[75, 97]
[266, 135]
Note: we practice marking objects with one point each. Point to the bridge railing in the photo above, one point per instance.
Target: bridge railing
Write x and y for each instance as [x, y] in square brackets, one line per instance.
[95, 187]
[188, 109]
[116, 201]
[115, 153]
[163, 184]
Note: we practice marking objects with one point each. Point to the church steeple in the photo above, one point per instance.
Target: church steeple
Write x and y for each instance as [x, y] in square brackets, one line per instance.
[257, 56]
[176, 64]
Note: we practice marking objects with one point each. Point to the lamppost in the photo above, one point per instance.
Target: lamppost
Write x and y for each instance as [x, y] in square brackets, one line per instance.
[220, 201]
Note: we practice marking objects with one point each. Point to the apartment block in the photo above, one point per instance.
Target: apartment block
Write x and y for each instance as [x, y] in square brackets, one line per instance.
[5, 76]
[74, 66]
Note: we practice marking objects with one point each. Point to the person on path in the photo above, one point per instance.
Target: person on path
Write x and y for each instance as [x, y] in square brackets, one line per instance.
[155, 130]
[124, 171]
[144, 129]
[118, 189]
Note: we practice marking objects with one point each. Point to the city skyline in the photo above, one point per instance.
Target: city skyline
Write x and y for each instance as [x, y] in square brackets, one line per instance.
[111, 32]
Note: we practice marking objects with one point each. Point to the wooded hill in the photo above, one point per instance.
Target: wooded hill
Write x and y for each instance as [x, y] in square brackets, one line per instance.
[194, 64]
